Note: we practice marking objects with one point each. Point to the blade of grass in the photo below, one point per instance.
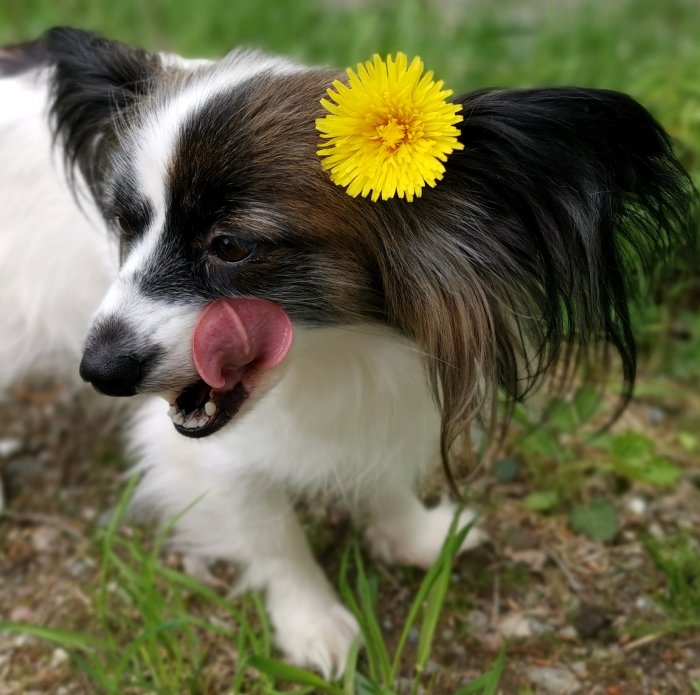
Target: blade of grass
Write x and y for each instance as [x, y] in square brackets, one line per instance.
[292, 674]
[450, 547]
[374, 641]
[487, 683]
[63, 638]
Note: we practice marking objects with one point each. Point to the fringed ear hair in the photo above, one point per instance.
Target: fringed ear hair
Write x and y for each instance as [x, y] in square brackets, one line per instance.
[533, 242]
[94, 81]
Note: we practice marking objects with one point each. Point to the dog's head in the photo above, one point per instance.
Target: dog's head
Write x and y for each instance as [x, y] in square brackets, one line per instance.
[230, 227]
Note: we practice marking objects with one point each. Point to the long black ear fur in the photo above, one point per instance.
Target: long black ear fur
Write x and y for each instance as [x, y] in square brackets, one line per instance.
[94, 82]
[584, 199]
[562, 204]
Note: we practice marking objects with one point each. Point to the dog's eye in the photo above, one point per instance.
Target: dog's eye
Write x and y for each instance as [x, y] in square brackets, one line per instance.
[125, 229]
[230, 249]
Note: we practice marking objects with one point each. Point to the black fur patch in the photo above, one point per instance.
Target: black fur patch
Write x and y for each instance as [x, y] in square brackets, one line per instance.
[96, 82]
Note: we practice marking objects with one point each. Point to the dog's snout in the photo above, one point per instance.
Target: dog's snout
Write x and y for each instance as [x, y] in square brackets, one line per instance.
[112, 363]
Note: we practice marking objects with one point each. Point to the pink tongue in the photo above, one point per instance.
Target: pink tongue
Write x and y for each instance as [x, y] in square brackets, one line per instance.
[233, 333]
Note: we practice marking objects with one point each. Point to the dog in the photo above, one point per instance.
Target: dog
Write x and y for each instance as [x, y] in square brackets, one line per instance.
[295, 339]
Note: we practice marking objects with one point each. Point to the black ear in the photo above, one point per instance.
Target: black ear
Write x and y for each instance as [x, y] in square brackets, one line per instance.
[562, 204]
[95, 83]
[580, 202]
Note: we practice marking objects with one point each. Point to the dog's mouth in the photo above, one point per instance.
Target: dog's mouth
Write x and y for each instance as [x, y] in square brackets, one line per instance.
[234, 341]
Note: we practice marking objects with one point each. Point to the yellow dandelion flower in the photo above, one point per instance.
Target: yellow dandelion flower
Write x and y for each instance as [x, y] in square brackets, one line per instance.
[389, 130]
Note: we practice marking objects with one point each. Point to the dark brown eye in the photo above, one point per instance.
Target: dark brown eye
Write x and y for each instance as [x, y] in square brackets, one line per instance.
[230, 249]
[123, 227]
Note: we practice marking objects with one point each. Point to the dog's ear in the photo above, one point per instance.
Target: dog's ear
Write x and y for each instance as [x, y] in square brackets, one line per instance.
[94, 84]
[562, 204]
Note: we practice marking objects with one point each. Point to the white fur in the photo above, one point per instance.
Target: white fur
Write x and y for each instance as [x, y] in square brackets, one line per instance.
[55, 260]
[349, 411]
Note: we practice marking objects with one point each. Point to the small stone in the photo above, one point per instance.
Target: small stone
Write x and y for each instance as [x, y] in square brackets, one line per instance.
[656, 531]
[554, 681]
[478, 620]
[459, 650]
[21, 614]
[431, 667]
[9, 446]
[44, 538]
[579, 669]
[568, 633]
[79, 568]
[413, 636]
[591, 621]
[59, 657]
[636, 506]
[515, 625]
[657, 416]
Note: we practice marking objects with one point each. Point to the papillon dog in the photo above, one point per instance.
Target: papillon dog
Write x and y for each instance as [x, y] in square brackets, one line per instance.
[295, 339]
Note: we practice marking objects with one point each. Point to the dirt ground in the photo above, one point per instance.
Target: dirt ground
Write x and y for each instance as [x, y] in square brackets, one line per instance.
[578, 616]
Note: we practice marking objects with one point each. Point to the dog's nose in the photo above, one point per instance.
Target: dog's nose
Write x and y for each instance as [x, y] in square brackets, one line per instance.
[110, 372]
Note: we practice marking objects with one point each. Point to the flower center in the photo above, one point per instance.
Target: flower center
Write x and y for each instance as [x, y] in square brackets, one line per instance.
[393, 134]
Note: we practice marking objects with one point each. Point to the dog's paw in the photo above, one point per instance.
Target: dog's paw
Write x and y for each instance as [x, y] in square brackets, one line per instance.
[316, 635]
[417, 539]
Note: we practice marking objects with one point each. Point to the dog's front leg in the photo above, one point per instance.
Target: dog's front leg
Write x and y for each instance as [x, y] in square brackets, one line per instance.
[226, 510]
[312, 627]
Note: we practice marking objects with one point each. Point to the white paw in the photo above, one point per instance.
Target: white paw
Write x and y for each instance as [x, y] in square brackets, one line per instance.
[316, 634]
[417, 538]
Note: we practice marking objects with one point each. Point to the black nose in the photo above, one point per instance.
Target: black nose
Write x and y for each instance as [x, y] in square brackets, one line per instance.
[110, 372]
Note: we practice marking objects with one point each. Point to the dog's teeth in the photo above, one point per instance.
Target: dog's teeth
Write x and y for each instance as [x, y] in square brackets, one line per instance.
[172, 410]
[178, 419]
[202, 421]
[210, 408]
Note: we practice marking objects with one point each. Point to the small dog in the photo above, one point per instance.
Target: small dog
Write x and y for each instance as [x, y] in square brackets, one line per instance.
[299, 339]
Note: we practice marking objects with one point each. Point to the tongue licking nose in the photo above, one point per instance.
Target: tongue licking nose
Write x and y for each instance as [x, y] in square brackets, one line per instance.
[232, 334]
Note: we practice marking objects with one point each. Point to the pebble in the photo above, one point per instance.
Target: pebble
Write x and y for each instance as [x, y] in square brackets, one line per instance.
[477, 620]
[554, 680]
[22, 614]
[579, 668]
[413, 635]
[656, 531]
[515, 625]
[636, 506]
[44, 538]
[657, 416]
[568, 633]
[431, 667]
[590, 621]
[59, 657]
[79, 568]
[9, 446]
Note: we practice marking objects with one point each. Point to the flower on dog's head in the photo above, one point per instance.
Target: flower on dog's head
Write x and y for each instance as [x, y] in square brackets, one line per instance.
[389, 130]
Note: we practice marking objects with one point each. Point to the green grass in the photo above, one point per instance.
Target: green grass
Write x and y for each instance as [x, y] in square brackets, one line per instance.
[643, 46]
[152, 631]
[678, 560]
